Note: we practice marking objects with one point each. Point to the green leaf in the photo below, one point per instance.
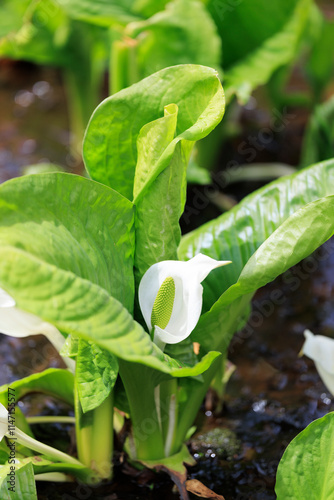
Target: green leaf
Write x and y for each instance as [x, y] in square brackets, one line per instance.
[182, 33]
[270, 38]
[85, 310]
[112, 133]
[66, 247]
[100, 12]
[24, 483]
[39, 34]
[75, 226]
[53, 381]
[306, 469]
[96, 374]
[155, 171]
[12, 14]
[174, 463]
[318, 143]
[158, 211]
[320, 65]
[238, 234]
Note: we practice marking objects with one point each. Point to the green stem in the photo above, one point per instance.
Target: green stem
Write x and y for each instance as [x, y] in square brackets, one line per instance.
[94, 433]
[54, 477]
[50, 420]
[196, 391]
[146, 419]
[103, 438]
[123, 64]
[172, 414]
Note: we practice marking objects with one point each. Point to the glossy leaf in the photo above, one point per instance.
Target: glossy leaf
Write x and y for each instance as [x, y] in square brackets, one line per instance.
[24, 483]
[182, 33]
[66, 247]
[158, 211]
[85, 310]
[238, 234]
[271, 32]
[12, 14]
[306, 469]
[54, 382]
[112, 133]
[96, 374]
[152, 136]
[73, 224]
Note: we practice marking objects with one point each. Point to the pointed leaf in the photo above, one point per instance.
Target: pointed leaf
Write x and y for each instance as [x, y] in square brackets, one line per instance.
[306, 469]
[24, 484]
[236, 235]
[55, 382]
[112, 133]
[271, 34]
[74, 224]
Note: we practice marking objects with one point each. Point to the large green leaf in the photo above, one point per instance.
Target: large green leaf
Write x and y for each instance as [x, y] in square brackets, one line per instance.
[24, 482]
[182, 33]
[79, 307]
[270, 31]
[110, 12]
[66, 255]
[306, 469]
[318, 141]
[110, 145]
[158, 211]
[55, 382]
[238, 234]
[258, 19]
[276, 51]
[153, 160]
[73, 224]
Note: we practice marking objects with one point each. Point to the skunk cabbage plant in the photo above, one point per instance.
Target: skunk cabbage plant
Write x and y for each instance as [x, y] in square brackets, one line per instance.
[85, 254]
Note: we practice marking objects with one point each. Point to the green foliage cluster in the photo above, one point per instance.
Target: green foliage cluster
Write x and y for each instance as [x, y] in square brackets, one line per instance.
[136, 38]
[73, 251]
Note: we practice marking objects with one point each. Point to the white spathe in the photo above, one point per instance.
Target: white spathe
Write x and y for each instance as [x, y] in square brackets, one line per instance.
[188, 299]
[18, 323]
[321, 350]
[3, 421]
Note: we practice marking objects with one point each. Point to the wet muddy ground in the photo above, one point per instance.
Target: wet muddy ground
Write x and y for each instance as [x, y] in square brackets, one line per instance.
[271, 396]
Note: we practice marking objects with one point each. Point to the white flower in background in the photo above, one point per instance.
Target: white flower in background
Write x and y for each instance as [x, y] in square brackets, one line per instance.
[3, 421]
[18, 323]
[321, 350]
[170, 297]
